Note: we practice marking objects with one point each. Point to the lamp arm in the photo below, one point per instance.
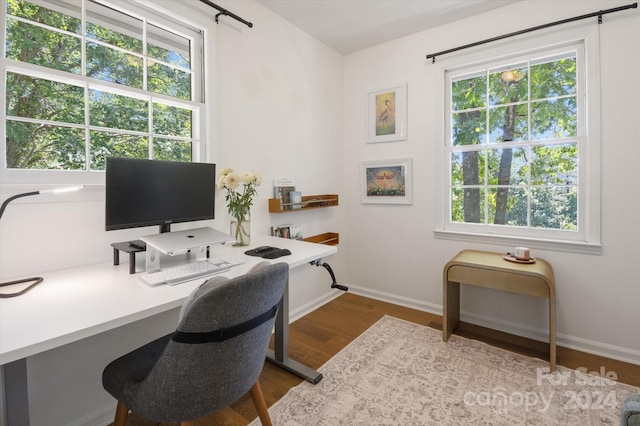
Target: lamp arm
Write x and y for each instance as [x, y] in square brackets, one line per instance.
[36, 280]
[8, 200]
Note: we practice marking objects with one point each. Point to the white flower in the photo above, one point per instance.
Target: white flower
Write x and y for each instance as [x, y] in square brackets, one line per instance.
[221, 181]
[232, 180]
[226, 171]
[247, 178]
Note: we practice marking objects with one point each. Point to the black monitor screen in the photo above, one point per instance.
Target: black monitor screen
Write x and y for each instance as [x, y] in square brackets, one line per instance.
[153, 192]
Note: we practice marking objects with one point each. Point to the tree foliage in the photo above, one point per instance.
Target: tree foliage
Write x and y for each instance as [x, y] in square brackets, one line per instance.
[513, 160]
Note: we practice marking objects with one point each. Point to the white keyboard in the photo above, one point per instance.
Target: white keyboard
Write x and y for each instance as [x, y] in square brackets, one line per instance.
[191, 270]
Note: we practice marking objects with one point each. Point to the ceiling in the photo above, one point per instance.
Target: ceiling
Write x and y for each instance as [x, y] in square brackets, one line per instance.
[351, 25]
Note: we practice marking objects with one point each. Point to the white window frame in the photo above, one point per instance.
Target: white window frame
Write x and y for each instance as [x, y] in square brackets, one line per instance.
[151, 15]
[587, 238]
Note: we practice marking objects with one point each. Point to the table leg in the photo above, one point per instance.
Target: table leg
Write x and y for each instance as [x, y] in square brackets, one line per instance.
[552, 331]
[450, 308]
[16, 394]
[280, 353]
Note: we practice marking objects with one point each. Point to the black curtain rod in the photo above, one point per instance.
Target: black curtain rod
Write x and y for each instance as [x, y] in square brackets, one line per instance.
[599, 14]
[225, 12]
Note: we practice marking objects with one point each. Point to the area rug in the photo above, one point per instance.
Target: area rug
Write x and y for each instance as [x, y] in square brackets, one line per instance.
[401, 373]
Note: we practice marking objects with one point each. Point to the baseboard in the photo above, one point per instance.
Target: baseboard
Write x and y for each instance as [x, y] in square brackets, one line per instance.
[397, 300]
[311, 306]
[567, 341]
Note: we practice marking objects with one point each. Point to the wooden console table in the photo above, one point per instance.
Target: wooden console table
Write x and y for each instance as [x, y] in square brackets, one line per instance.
[490, 270]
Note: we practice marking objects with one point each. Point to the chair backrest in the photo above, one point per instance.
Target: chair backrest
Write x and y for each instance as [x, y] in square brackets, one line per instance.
[192, 380]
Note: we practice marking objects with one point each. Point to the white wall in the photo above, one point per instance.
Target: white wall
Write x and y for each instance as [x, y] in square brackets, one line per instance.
[278, 111]
[289, 106]
[392, 251]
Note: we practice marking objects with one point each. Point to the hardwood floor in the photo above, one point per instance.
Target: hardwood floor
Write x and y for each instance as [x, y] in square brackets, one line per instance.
[318, 336]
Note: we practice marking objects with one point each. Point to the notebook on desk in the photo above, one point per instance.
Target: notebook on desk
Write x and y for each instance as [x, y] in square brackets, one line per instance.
[180, 241]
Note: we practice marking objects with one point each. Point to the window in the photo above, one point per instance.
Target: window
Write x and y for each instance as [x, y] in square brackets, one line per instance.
[517, 138]
[86, 80]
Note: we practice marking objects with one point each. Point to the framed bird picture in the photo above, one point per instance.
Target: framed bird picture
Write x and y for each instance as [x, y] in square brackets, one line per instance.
[387, 114]
[386, 181]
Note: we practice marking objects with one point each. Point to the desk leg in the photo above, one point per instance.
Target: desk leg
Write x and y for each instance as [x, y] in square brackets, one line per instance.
[450, 308]
[16, 395]
[552, 331]
[280, 353]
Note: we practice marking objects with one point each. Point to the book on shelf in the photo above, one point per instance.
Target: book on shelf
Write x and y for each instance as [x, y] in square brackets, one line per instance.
[281, 231]
[295, 232]
[282, 188]
[295, 198]
[291, 232]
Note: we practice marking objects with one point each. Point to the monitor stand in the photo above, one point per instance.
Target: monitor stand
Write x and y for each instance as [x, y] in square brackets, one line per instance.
[152, 257]
[130, 247]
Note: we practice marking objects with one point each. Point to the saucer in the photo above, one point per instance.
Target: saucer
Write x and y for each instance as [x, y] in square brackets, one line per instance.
[512, 258]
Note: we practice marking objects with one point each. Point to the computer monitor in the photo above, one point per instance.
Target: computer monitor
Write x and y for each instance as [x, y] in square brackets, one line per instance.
[155, 192]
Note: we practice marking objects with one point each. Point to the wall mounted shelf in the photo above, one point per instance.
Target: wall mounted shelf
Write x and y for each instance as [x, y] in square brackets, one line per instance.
[328, 238]
[309, 202]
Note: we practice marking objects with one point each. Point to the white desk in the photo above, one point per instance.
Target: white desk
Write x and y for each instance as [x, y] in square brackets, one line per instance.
[77, 303]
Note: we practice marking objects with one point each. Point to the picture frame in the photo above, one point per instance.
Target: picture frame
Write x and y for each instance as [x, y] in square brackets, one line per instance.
[387, 114]
[386, 181]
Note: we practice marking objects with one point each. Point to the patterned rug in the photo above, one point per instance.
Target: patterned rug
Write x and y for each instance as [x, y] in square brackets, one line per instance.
[401, 373]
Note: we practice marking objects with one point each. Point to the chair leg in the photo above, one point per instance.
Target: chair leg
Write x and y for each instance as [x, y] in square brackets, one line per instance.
[122, 412]
[261, 405]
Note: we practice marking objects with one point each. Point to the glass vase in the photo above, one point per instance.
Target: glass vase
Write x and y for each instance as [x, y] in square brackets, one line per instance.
[241, 230]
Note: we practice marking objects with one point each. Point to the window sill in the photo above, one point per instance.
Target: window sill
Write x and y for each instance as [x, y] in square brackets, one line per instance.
[540, 244]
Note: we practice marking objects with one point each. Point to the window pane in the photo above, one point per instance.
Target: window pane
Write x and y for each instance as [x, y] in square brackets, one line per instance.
[167, 149]
[105, 144]
[555, 208]
[118, 112]
[526, 173]
[469, 93]
[171, 121]
[169, 81]
[114, 27]
[508, 86]
[554, 119]
[35, 45]
[44, 99]
[468, 205]
[46, 147]
[41, 112]
[508, 123]
[507, 166]
[555, 78]
[555, 165]
[105, 63]
[42, 15]
[508, 206]
[168, 47]
[468, 128]
[467, 168]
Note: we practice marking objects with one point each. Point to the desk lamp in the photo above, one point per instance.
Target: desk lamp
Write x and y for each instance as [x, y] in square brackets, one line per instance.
[36, 280]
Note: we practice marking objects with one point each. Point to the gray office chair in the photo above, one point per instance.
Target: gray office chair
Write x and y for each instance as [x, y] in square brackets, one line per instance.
[214, 357]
